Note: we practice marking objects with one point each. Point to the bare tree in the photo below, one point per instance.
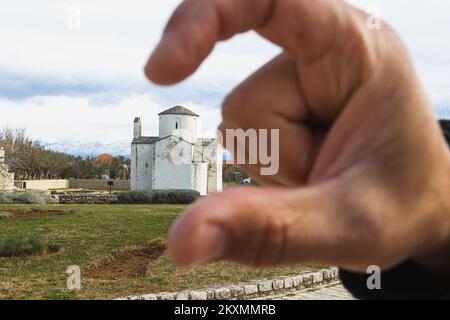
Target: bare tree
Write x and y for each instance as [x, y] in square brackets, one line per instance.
[29, 160]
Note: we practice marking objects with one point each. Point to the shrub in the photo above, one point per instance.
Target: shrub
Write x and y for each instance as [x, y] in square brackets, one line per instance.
[134, 197]
[26, 197]
[5, 197]
[175, 196]
[17, 248]
[26, 247]
[158, 197]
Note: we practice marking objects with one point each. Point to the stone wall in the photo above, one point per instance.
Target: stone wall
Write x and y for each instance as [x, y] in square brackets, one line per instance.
[71, 184]
[141, 169]
[170, 175]
[95, 198]
[41, 184]
[98, 184]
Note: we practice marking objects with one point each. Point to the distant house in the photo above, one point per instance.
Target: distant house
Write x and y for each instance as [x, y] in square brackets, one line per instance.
[111, 167]
[103, 159]
[104, 162]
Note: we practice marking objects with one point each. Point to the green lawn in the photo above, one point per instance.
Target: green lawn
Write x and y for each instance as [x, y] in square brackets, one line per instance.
[87, 235]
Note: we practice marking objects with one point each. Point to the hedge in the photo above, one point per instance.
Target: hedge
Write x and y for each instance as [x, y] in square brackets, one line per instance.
[26, 197]
[158, 197]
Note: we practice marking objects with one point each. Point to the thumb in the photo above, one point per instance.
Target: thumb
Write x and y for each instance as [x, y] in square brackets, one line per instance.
[268, 226]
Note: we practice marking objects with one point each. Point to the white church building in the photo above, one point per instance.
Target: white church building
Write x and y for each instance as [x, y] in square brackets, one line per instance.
[176, 158]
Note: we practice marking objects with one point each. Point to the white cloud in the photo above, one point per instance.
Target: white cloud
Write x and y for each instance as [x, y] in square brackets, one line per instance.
[114, 41]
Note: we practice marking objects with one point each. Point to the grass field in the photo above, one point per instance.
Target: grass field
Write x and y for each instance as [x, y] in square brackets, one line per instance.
[87, 235]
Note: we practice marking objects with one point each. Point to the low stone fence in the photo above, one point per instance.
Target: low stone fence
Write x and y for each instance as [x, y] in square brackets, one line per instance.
[41, 184]
[252, 289]
[97, 184]
[95, 198]
[93, 184]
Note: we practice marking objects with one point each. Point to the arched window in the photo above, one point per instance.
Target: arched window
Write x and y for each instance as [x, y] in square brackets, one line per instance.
[176, 125]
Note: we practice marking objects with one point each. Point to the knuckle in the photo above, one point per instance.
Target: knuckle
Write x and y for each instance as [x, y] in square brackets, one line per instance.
[368, 234]
[179, 15]
[364, 223]
[273, 243]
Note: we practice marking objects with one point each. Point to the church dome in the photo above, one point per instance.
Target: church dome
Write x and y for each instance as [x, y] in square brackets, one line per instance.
[179, 110]
[180, 122]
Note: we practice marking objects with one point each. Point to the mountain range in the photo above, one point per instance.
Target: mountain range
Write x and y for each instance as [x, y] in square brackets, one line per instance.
[93, 149]
[90, 148]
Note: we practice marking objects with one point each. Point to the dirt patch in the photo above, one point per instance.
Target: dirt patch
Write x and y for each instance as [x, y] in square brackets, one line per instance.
[35, 213]
[130, 262]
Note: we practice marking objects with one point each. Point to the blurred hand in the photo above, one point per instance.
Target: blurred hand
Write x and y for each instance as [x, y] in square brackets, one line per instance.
[364, 170]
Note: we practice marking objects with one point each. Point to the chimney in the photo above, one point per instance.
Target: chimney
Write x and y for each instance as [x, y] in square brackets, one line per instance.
[137, 128]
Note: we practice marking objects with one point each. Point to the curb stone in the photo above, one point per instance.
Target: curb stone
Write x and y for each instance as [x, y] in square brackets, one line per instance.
[182, 296]
[237, 291]
[265, 285]
[198, 295]
[251, 289]
[222, 293]
[288, 282]
[278, 284]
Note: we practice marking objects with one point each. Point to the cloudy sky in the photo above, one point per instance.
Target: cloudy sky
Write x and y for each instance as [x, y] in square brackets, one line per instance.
[62, 82]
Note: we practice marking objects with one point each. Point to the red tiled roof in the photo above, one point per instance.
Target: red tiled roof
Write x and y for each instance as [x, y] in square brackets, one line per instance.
[104, 159]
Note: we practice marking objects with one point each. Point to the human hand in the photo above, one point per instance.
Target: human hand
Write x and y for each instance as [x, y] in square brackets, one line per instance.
[364, 170]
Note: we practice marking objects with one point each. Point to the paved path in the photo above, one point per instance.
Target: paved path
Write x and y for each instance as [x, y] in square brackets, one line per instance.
[330, 291]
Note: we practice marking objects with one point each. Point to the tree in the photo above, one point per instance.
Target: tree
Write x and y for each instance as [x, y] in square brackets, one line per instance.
[30, 160]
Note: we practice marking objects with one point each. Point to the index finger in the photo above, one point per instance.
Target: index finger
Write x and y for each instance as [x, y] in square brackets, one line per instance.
[304, 28]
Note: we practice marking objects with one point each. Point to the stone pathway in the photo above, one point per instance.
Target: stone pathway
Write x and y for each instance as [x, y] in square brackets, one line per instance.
[331, 291]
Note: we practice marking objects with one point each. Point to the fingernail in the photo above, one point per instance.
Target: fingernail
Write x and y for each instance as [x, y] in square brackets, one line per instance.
[211, 241]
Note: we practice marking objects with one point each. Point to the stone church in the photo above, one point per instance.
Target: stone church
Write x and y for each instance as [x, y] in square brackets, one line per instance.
[6, 178]
[176, 158]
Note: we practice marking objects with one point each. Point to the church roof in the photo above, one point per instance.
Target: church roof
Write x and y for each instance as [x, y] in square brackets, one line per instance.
[150, 140]
[179, 110]
[145, 140]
